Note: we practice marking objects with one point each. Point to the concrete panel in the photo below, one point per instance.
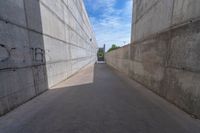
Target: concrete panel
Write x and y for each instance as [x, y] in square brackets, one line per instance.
[15, 46]
[16, 81]
[182, 88]
[18, 98]
[77, 52]
[184, 10]
[37, 48]
[78, 64]
[33, 15]
[51, 24]
[155, 20]
[119, 59]
[73, 8]
[4, 105]
[17, 87]
[56, 6]
[153, 50]
[142, 67]
[142, 7]
[67, 34]
[65, 2]
[184, 52]
[67, 15]
[13, 11]
[149, 74]
[124, 65]
[73, 37]
[40, 78]
[55, 50]
[57, 72]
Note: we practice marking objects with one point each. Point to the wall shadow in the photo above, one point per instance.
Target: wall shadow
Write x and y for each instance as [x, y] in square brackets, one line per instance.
[22, 60]
[36, 42]
[83, 77]
[109, 102]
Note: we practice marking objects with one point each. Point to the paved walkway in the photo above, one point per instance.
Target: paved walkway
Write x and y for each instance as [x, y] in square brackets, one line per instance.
[98, 100]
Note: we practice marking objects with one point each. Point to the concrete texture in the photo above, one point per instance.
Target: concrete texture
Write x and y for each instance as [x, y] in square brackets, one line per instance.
[98, 100]
[42, 43]
[119, 59]
[164, 51]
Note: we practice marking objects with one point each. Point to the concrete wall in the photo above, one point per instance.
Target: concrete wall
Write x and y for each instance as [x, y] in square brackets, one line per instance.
[164, 53]
[42, 42]
[119, 59]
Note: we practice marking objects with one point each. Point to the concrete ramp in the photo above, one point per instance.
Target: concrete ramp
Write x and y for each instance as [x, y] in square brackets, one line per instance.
[109, 103]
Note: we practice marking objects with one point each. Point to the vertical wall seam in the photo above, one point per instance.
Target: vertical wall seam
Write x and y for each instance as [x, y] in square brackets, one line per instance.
[170, 37]
[32, 68]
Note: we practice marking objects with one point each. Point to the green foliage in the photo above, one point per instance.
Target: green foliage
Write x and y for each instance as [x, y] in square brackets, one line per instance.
[113, 47]
[100, 53]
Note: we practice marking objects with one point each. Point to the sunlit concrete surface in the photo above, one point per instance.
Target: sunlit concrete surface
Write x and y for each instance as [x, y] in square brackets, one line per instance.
[111, 103]
[85, 76]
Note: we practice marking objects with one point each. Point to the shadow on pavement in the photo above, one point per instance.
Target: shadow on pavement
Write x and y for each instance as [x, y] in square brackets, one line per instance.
[102, 101]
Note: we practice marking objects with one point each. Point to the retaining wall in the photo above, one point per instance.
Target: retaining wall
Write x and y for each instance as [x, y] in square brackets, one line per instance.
[119, 59]
[164, 52]
[42, 42]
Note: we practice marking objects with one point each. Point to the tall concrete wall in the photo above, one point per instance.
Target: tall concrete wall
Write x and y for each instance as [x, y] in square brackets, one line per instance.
[164, 52]
[119, 59]
[42, 42]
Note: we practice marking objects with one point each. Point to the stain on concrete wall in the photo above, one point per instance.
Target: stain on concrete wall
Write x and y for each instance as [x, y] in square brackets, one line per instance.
[164, 52]
[119, 59]
[42, 42]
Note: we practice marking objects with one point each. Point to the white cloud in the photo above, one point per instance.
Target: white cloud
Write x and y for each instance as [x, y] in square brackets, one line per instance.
[99, 4]
[114, 25]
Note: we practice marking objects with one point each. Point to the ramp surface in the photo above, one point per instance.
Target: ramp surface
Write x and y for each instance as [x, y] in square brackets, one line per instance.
[98, 100]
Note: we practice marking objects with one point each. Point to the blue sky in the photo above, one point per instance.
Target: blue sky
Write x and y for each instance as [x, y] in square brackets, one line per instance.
[111, 20]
